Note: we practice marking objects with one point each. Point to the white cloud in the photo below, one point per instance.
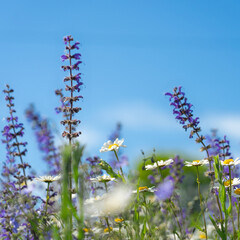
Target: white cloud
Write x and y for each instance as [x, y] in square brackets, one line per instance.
[91, 136]
[226, 124]
[139, 116]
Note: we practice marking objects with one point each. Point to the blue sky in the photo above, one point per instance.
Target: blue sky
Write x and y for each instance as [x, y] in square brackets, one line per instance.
[133, 52]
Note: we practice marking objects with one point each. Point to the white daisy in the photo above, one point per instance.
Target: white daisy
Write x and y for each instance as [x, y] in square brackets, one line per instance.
[48, 179]
[113, 202]
[94, 199]
[160, 163]
[231, 162]
[236, 193]
[145, 189]
[111, 146]
[103, 178]
[196, 163]
[234, 182]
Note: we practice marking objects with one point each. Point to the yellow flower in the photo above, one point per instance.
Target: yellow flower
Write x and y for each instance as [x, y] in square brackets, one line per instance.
[234, 182]
[118, 220]
[145, 189]
[236, 193]
[202, 236]
[108, 230]
[86, 230]
[230, 162]
[227, 183]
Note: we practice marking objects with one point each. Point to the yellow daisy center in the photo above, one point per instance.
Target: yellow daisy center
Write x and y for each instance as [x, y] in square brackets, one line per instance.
[202, 236]
[237, 191]
[228, 161]
[22, 184]
[143, 188]
[227, 183]
[86, 230]
[107, 229]
[113, 145]
[196, 161]
[118, 220]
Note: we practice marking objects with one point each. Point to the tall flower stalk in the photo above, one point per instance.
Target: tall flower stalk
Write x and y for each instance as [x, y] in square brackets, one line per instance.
[73, 84]
[197, 164]
[182, 109]
[201, 203]
[12, 132]
[45, 140]
[16, 202]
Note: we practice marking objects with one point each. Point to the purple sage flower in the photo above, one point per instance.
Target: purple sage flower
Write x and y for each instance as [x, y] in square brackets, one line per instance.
[45, 140]
[67, 103]
[165, 189]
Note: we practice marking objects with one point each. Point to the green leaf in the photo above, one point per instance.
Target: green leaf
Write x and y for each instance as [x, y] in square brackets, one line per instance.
[216, 167]
[222, 197]
[175, 232]
[198, 227]
[229, 208]
[105, 166]
[220, 233]
[144, 230]
[77, 155]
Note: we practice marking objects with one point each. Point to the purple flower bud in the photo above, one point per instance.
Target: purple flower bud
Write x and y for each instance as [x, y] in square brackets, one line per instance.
[67, 39]
[75, 45]
[64, 57]
[75, 66]
[76, 56]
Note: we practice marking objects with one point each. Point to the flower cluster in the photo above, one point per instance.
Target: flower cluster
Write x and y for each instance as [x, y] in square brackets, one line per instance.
[176, 169]
[219, 146]
[45, 139]
[183, 111]
[16, 203]
[96, 199]
[12, 133]
[73, 84]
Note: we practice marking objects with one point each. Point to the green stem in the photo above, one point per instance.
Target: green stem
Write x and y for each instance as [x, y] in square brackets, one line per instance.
[47, 197]
[220, 211]
[201, 204]
[70, 132]
[172, 206]
[109, 229]
[105, 184]
[118, 162]
[146, 212]
[120, 233]
[230, 198]
[160, 172]
[106, 218]
[238, 213]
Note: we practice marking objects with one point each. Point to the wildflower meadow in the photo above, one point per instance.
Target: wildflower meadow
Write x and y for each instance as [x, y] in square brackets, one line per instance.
[98, 197]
